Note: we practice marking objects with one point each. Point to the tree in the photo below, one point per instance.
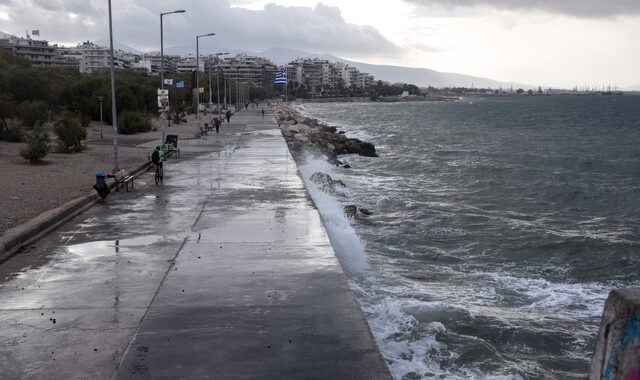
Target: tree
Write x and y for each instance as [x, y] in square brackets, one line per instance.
[7, 108]
[37, 145]
[33, 113]
[70, 134]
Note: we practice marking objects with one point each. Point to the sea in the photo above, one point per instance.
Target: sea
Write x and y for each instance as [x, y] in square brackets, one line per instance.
[499, 225]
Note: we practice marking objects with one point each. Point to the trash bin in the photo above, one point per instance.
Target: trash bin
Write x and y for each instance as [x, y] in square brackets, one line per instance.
[101, 186]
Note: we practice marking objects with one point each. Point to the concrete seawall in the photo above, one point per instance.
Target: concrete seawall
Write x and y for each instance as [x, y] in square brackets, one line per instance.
[225, 271]
[617, 354]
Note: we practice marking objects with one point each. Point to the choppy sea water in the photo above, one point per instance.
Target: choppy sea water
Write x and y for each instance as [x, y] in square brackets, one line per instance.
[499, 227]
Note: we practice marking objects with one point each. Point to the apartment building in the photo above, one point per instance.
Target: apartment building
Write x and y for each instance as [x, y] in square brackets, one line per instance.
[244, 68]
[38, 51]
[188, 64]
[321, 77]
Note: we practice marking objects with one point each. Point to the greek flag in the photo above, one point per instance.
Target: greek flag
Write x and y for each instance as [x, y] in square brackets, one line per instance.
[168, 82]
[180, 84]
[281, 76]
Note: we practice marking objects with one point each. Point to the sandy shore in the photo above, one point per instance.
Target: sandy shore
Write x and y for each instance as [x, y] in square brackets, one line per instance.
[27, 190]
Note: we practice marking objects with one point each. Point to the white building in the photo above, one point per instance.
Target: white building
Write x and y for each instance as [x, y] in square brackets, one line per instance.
[188, 64]
[38, 51]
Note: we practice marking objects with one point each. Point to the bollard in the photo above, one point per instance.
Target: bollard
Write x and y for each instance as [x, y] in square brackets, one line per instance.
[617, 353]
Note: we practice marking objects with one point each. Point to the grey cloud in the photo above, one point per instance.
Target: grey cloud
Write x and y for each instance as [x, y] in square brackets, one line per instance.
[575, 8]
[424, 47]
[136, 23]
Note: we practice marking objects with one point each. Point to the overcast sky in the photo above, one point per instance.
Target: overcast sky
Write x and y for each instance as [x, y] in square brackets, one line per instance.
[545, 42]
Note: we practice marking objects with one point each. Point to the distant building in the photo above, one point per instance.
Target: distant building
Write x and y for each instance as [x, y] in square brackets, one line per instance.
[67, 57]
[38, 51]
[142, 65]
[319, 77]
[170, 62]
[94, 58]
[245, 69]
[188, 64]
[323, 78]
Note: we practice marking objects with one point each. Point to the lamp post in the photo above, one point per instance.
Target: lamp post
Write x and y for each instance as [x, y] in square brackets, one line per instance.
[100, 98]
[198, 71]
[164, 129]
[217, 78]
[114, 113]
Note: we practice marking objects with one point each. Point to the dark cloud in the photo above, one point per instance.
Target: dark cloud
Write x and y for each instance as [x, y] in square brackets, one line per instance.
[137, 23]
[575, 8]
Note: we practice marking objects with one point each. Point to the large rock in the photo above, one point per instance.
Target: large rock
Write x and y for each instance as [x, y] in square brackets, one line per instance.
[355, 146]
[300, 128]
[325, 183]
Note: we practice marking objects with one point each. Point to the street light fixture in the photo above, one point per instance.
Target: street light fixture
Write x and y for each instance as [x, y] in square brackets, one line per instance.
[164, 129]
[198, 71]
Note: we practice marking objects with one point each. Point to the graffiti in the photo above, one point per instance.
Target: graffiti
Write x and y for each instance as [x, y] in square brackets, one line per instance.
[624, 352]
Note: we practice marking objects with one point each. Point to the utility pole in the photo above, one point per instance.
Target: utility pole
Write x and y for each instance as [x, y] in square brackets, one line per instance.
[162, 114]
[198, 72]
[114, 113]
[217, 79]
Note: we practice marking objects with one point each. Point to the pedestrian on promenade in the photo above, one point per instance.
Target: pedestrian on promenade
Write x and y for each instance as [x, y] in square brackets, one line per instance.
[217, 122]
[101, 186]
[263, 113]
[228, 115]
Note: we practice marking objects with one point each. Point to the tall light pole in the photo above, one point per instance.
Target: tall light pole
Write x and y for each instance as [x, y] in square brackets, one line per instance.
[162, 46]
[217, 78]
[114, 113]
[100, 98]
[164, 129]
[198, 71]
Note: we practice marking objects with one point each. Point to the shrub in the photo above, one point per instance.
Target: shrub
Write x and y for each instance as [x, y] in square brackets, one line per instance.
[33, 113]
[70, 134]
[130, 122]
[37, 145]
[11, 134]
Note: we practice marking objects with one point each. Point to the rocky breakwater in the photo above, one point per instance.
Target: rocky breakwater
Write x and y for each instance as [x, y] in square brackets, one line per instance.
[304, 134]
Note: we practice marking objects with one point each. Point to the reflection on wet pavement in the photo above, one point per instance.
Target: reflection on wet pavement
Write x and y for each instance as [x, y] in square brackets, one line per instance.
[229, 252]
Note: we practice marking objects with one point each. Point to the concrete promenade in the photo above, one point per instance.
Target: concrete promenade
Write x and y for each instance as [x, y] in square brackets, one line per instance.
[225, 271]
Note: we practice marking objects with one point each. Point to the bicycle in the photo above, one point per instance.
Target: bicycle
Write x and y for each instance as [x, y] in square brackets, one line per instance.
[159, 175]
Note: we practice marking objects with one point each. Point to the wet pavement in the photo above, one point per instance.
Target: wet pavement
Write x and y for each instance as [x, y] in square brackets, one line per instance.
[224, 271]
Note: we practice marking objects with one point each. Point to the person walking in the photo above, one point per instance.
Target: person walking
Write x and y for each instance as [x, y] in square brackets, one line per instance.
[217, 122]
[228, 115]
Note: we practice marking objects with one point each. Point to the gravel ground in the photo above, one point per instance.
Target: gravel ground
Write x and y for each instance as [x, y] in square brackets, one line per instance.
[28, 190]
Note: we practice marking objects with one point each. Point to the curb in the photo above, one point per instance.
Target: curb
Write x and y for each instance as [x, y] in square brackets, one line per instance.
[16, 238]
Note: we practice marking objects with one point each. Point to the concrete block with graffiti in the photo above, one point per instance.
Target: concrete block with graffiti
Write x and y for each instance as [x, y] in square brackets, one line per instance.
[617, 353]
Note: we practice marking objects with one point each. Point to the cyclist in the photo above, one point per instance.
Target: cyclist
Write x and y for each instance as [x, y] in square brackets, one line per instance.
[157, 157]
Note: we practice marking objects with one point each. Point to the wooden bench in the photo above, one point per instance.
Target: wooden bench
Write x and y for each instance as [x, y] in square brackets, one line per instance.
[122, 177]
[171, 144]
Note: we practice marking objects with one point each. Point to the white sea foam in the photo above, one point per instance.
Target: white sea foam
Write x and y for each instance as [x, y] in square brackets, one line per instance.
[346, 243]
[571, 300]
